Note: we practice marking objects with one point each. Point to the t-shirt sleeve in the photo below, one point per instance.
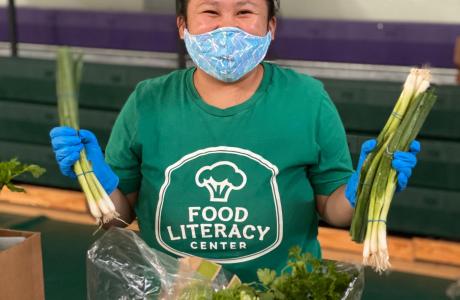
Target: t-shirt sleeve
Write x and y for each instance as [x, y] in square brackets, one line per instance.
[334, 166]
[122, 153]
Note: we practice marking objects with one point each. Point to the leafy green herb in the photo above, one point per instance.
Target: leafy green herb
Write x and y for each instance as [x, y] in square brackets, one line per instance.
[13, 168]
[304, 277]
[242, 292]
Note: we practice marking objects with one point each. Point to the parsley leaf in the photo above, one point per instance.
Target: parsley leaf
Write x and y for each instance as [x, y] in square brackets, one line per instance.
[13, 168]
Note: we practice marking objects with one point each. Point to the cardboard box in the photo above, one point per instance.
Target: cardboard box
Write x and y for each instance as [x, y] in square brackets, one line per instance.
[21, 275]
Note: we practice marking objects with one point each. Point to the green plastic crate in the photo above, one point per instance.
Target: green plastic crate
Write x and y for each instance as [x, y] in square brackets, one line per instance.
[427, 212]
[365, 106]
[31, 123]
[102, 86]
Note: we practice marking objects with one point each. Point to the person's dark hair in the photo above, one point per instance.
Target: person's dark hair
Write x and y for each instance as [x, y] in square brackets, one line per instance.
[273, 7]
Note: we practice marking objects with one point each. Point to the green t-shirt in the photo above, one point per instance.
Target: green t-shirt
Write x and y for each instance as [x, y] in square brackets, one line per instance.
[232, 185]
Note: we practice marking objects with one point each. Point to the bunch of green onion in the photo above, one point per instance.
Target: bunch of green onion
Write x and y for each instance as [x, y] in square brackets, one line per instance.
[68, 76]
[377, 183]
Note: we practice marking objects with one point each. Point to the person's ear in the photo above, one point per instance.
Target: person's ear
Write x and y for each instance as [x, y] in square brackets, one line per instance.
[272, 26]
[180, 21]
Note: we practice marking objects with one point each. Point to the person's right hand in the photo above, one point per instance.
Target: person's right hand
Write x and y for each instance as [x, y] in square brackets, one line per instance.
[67, 144]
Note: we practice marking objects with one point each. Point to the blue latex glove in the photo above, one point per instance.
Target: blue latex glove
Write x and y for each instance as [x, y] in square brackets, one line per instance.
[67, 144]
[352, 185]
[403, 163]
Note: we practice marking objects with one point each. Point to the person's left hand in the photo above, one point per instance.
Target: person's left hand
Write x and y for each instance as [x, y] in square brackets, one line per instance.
[402, 163]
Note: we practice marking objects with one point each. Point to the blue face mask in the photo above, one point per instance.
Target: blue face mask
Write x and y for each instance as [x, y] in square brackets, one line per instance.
[227, 53]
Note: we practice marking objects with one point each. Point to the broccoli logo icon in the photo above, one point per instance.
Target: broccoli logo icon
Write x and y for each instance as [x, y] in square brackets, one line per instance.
[220, 179]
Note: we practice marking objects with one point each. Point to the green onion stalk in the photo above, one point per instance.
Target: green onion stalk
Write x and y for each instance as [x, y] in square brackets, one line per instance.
[68, 76]
[378, 183]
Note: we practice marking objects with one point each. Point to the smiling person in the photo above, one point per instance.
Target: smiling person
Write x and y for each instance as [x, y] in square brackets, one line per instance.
[233, 160]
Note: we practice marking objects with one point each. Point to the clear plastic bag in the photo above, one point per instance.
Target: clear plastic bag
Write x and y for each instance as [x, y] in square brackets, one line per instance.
[121, 266]
[356, 287]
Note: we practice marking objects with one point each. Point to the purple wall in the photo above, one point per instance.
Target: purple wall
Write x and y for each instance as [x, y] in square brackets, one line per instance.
[93, 29]
[338, 41]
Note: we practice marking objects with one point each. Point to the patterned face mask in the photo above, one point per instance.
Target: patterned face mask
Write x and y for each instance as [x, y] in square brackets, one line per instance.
[227, 53]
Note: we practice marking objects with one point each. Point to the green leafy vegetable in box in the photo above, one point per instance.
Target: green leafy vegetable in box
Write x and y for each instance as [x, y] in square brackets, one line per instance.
[13, 168]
